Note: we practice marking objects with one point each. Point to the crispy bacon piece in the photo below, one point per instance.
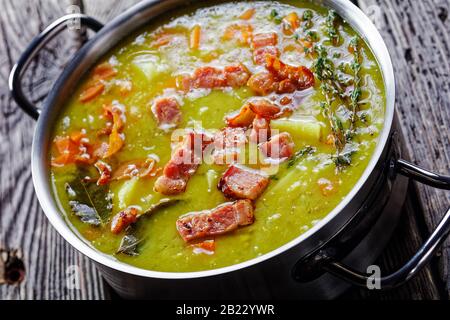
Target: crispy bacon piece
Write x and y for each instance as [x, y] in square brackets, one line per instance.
[236, 75]
[286, 86]
[260, 55]
[300, 76]
[263, 83]
[170, 186]
[116, 139]
[279, 147]
[264, 108]
[105, 172]
[244, 31]
[242, 118]
[92, 92]
[264, 40]
[225, 218]
[212, 78]
[227, 145]
[167, 112]
[264, 45]
[123, 219]
[242, 183]
[136, 168]
[184, 162]
[260, 130]
[281, 78]
[72, 149]
[208, 77]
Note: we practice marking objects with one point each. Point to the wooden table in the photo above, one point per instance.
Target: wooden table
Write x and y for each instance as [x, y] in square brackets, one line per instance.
[417, 34]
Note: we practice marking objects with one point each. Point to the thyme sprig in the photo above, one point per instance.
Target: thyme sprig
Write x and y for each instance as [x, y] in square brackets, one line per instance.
[324, 70]
[331, 27]
[308, 150]
[307, 19]
[355, 95]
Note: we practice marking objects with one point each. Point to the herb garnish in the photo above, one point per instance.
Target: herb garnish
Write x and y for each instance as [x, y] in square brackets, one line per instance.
[331, 30]
[307, 19]
[275, 16]
[133, 234]
[129, 243]
[355, 49]
[324, 70]
[308, 150]
[90, 202]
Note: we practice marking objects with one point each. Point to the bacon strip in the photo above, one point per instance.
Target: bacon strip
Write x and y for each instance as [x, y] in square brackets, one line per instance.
[167, 112]
[105, 172]
[227, 145]
[212, 78]
[114, 113]
[263, 83]
[243, 32]
[184, 162]
[300, 77]
[242, 183]
[260, 130]
[123, 219]
[264, 45]
[136, 168]
[281, 78]
[280, 146]
[243, 118]
[222, 219]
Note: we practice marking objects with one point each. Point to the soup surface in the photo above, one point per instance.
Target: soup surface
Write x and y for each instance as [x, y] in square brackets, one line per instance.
[274, 109]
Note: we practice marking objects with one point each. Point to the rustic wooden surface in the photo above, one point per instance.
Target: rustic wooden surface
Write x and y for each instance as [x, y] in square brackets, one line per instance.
[417, 34]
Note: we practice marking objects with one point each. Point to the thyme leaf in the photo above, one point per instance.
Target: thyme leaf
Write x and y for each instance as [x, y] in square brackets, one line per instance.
[331, 30]
[355, 95]
[308, 150]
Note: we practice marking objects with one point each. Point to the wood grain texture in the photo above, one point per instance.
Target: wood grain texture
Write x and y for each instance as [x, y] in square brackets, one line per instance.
[422, 71]
[417, 34]
[23, 226]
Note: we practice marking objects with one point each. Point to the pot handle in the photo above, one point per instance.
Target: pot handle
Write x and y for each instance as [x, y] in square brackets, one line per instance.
[17, 72]
[423, 255]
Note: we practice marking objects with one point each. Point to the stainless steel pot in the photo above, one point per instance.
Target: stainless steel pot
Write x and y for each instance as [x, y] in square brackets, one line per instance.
[311, 266]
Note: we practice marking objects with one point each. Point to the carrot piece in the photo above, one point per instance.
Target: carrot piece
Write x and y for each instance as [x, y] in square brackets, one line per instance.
[92, 92]
[326, 187]
[248, 14]
[116, 139]
[206, 247]
[245, 32]
[104, 71]
[293, 22]
[194, 41]
[72, 149]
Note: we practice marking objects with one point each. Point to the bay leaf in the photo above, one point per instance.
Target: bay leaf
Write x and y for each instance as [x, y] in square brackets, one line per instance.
[134, 236]
[90, 202]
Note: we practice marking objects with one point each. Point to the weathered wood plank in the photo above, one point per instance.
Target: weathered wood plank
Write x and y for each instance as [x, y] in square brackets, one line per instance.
[417, 35]
[49, 260]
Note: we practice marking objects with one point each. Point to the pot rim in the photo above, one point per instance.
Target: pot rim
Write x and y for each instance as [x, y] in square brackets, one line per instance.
[40, 171]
